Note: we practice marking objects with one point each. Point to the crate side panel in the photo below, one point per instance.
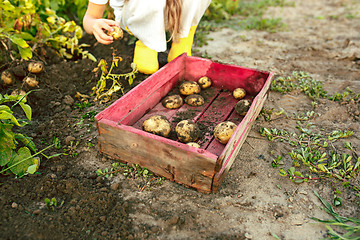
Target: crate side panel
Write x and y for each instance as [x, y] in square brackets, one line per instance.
[120, 108]
[185, 167]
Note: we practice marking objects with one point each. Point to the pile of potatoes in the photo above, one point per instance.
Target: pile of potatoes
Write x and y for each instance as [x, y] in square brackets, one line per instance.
[33, 68]
[187, 131]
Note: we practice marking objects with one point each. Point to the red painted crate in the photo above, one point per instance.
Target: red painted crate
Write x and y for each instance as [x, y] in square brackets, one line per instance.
[121, 136]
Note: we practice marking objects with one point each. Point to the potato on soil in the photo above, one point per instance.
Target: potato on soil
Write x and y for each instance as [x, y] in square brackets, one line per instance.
[187, 131]
[239, 93]
[17, 92]
[204, 82]
[194, 100]
[223, 131]
[6, 78]
[172, 102]
[193, 144]
[243, 106]
[157, 124]
[31, 82]
[36, 67]
[189, 87]
[117, 33]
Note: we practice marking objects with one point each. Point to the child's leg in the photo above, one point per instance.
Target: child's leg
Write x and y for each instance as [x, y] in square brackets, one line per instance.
[145, 20]
[145, 58]
[192, 12]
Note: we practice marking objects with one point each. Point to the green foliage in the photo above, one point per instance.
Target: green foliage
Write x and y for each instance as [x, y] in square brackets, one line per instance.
[15, 148]
[350, 226]
[71, 150]
[69, 9]
[102, 92]
[52, 203]
[311, 87]
[250, 11]
[301, 81]
[134, 172]
[263, 24]
[312, 151]
[29, 24]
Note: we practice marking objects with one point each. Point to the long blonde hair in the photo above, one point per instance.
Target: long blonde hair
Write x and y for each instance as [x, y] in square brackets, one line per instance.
[173, 15]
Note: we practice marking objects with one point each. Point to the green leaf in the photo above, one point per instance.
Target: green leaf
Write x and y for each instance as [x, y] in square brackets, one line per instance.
[298, 180]
[8, 116]
[282, 172]
[25, 53]
[27, 141]
[27, 109]
[19, 41]
[21, 161]
[25, 35]
[32, 169]
[7, 143]
[54, 201]
[322, 168]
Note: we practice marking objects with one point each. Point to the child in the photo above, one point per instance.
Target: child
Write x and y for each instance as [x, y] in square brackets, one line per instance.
[148, 20]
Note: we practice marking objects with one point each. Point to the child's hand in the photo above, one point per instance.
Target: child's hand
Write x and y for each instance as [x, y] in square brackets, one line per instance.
[99, 28]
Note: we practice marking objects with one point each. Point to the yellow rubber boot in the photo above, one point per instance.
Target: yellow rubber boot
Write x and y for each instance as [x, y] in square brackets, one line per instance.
[182, 45]
[145, 58]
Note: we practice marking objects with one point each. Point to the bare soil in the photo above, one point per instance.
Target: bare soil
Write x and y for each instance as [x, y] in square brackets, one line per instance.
[253, 202]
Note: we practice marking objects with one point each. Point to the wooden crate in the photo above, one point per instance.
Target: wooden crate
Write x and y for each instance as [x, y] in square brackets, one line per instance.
[121, 136]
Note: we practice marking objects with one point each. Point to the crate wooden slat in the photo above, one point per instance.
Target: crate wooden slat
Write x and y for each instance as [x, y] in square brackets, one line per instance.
[121, 137]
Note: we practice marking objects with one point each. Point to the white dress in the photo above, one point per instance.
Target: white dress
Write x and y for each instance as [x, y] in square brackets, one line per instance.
[146, 20]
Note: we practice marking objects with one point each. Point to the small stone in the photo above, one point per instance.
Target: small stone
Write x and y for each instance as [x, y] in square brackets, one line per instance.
[114, 186]
[37, 212]
[14, 205]
[68, 100]
[248, 235]
[104, 233]
[52, 176]
[173, 220]
[102, 218]
[69, 139]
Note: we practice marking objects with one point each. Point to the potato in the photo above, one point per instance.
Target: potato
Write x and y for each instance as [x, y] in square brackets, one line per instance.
[223, 131]
[239, 93]
[117, 33]
[172, 102]
[193, 144]
[36, 67]
[242, 106]
[157, 124]
[189, 87]
[17, 92]
[31, 82]
[187, 131]
[204, 82]
[7, 78]
[194, 100]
